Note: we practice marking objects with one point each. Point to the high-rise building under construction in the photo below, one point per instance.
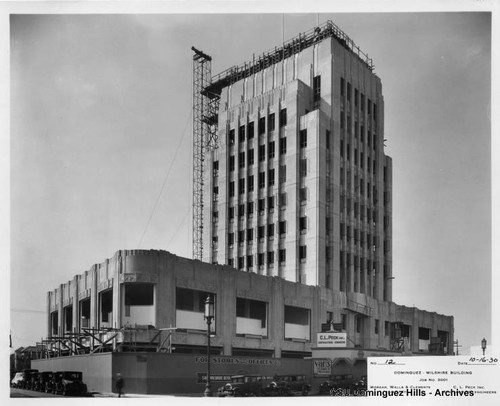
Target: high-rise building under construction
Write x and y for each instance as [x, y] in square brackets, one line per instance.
[299, 186]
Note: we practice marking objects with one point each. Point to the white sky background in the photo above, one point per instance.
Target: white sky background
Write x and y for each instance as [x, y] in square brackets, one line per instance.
[101, 103]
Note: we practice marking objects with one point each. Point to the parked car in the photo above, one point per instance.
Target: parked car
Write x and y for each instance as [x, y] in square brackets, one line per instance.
[285, 385]
[18, 380]
[345, 382]
[41, 383]
[68, 383]
[245, 385]
[28, 375]
[31, 381]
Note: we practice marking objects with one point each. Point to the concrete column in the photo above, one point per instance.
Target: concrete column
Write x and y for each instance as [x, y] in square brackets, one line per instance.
[94, 299]
[60, 316]
[226, 309]
[165, 292]
[76, 312]
[276, 315]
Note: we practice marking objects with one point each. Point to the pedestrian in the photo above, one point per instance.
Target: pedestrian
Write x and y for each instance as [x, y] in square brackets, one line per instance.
[120, 383]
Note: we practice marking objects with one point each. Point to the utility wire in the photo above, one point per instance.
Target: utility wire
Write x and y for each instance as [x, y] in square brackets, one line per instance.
[165, 181]
[178, 227]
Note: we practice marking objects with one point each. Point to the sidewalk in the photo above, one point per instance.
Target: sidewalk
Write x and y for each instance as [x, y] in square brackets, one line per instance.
[143, 395]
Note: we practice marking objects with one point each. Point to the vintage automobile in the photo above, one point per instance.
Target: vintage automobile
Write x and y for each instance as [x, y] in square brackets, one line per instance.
[28, 378]
[346, 382]
[68, 383]
[31, 381]
[286, 385]
[41, 383]
[245, 385]
[18, 380]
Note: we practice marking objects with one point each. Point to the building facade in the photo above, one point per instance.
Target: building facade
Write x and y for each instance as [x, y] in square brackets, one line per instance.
[128, 301]
[300, 186]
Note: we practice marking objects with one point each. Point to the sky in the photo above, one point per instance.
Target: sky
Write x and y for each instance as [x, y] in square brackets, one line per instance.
[100, 145]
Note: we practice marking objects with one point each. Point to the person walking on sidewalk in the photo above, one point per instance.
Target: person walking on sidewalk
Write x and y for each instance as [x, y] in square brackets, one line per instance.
[120, 383]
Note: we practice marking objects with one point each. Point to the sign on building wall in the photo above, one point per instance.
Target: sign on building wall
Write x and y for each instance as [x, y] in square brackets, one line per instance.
[322, 367]
[332, 340]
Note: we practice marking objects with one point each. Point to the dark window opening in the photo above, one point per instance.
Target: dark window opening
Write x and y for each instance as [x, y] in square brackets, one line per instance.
[139, 294]
[106, 299]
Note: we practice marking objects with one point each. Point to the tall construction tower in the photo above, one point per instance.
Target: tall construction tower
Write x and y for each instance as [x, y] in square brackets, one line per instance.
[205, 112]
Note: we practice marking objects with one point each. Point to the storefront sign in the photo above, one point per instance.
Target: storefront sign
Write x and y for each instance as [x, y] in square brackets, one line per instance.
[240, 361]
[322, 367]
[332, 340]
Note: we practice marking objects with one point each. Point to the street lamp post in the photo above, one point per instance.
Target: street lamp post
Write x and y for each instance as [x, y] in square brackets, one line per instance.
[483, 344]
[209, 315]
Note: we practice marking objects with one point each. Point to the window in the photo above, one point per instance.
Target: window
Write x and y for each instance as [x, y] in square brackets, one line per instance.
[356, 129]
[262, 125]
[249, 261]
[270, 203]
[230, 239]
[270, 230]
[349, 122]
[249, 208]
[358, 324]
[282, 199]
[302, 224]
[376, 326]
[250, 234]
[369, 106]
[260, 232]
[342, 86]
[303, 167]
[241, 160]
[271, 177]
[282, 227]
[362, 102]
[282, 255]
[215, 168]
[348, 91]
[356, 97]
[241, 236]
[262, 180]
[250, 183]
[342, 148]
[303, 195]
[374, 141]
[260, 259]
[231, 213]
[250, 157]
[230, 262]
[283, 146]
[241, 134]
[231, 189]
[271, 150]
[282, 174]
[362, 134]
[316, 88]
[374, 112]
[369, 138]
[282, 117]
[342, 119]
[302, 252]
[231, 163]
[270, 122]
[241, 185]
[303, 138]
[327, 139]
[250, 130]
[270, 257]
[261, 205]
[262, 153]
[386, 328]
[241, 262]
[241, 210]
[231, 137]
